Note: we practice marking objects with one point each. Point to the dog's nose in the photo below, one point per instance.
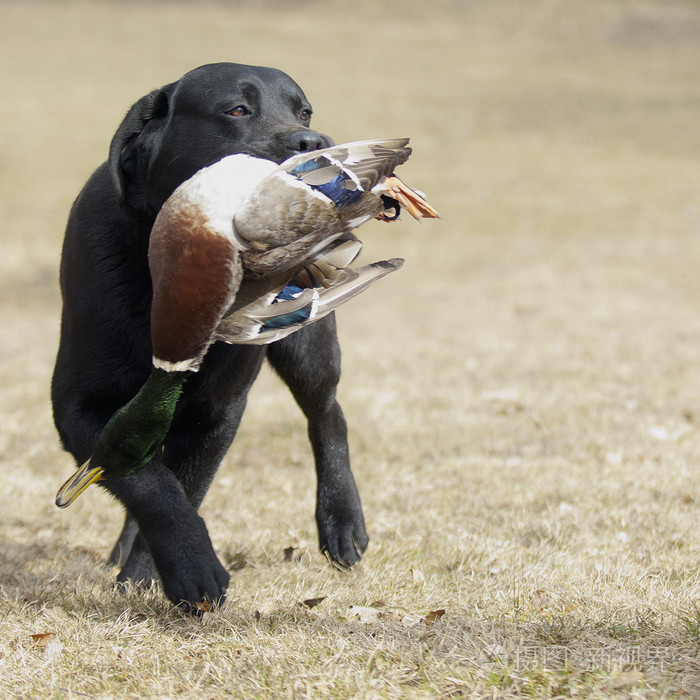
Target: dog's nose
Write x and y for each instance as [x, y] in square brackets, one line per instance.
[306, 140]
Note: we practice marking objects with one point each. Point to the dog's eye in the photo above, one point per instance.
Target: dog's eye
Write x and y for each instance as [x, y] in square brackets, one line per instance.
[239, 111]
[305, 115]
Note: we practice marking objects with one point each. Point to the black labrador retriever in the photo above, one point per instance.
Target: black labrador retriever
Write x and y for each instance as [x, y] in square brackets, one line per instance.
[105, 350]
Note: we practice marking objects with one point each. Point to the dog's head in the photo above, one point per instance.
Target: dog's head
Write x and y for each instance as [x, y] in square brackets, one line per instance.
[213, 111]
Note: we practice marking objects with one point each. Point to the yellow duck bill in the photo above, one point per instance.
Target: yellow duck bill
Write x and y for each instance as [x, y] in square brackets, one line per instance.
[77, 483]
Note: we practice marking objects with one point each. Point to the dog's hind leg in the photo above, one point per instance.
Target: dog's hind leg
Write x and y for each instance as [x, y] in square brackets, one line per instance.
[309, 362]
[122, 547]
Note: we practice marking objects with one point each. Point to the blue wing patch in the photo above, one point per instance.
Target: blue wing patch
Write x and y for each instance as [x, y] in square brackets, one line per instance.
[291, 291]
[329, 178]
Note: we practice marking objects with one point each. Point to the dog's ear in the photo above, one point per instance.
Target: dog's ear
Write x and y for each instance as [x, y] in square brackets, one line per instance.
[124, 155]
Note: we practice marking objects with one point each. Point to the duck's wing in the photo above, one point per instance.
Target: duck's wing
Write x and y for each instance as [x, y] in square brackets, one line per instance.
[269, 309]
[335, 170]
[276, 316]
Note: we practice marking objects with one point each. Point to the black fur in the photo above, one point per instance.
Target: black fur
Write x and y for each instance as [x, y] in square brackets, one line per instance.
[105, 349]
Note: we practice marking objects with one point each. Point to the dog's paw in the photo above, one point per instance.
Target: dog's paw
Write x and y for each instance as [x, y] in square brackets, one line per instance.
[198, 583]
[183, 559]
[342, 535]
[192, 575]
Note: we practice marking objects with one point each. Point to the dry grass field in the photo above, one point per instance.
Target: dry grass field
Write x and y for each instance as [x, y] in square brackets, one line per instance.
[523, 397]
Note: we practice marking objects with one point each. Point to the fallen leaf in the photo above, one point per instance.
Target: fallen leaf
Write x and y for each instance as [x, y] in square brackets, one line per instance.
[41, 639]
[432, 617]
[289, 553]
[313, 602]
[203, 606]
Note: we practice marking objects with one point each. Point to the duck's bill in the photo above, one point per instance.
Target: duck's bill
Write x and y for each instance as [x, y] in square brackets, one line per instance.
[77, 483]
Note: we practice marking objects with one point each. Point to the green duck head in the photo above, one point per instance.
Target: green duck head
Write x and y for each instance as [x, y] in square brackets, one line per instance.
[132, 435]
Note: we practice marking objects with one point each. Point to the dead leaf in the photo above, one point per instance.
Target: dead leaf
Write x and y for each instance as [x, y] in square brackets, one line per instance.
[432, 617]
[289, 553]
[203, 606]
[313, 602]
[41, 639]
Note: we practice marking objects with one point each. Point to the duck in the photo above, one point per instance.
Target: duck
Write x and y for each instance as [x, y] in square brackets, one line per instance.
[247, 251]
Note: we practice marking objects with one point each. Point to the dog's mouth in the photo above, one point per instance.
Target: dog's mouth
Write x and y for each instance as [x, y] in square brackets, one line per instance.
[287, 144]
[77, 483]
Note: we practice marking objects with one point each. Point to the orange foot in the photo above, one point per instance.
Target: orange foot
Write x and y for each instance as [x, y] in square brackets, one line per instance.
[409, 199]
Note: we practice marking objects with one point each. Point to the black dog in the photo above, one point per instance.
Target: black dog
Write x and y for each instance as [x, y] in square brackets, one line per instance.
[105, 349]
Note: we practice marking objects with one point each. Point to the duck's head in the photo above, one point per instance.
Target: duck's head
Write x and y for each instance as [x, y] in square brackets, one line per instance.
[132, 436]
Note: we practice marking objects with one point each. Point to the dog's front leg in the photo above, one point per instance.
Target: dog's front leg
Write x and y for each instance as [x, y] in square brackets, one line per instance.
[173, 534]
[309, 362]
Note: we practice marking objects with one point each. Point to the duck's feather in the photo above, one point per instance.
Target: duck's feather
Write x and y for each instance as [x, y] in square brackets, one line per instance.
[326, 266]
[328, 191]
[272, 317]
[364, 162]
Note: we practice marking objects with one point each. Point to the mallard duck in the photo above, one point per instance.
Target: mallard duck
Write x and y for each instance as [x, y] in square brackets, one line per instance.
[247, 252]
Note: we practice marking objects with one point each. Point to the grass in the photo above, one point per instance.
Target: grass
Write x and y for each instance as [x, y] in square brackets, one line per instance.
[522, 397]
